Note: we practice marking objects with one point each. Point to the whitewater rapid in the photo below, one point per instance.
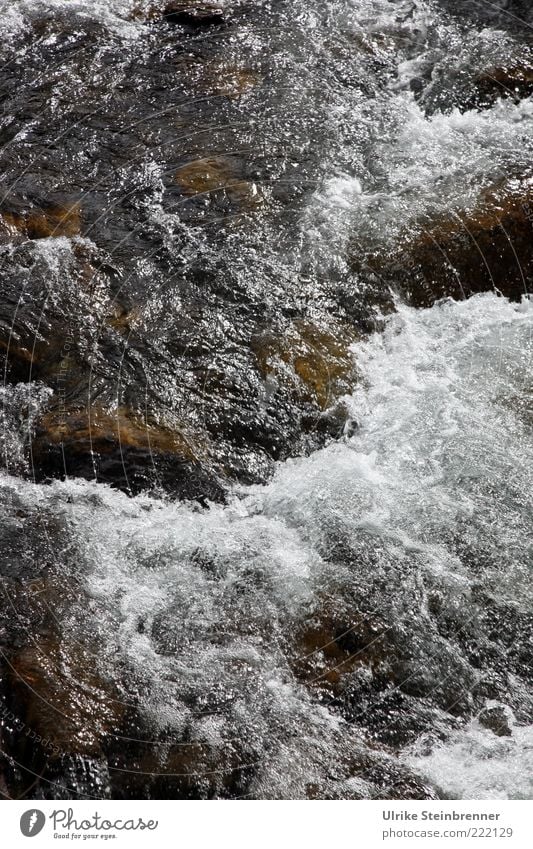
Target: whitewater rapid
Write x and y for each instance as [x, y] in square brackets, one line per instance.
[405, 519]
[359, 626]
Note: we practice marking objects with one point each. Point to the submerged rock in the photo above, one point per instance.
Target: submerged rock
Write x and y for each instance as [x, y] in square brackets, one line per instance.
[314, 361]
[119, 447]
[207, 176]
[68, 706]
[230, 80]
[515, 15]
[58, 712]
[57, 302]
[486, 248]
[497, 83]
[328, 650]
[194, 14]
[49, 220]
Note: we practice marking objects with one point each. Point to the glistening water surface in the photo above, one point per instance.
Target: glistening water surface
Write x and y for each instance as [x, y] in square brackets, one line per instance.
[408, 540]
[291, 557]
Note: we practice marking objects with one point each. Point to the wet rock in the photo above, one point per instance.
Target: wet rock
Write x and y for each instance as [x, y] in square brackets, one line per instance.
[195, 14]
[350, 666]
[75, 777]
[369, 774]
[195, 770]
[57, 712]
[392, 781]
[211, 175]
[50, 220]
[392, 677]
[327, 650]
[232, 81]
[248, 397]
[220, 77]
[63, 702]
[514, 15]
[315, 362]
[103, 429]
[52, 295]
[119, 447]
[508, 645]
[487, 248]
[496, 718]
[515, 83]
[188, 233]
[5, 778]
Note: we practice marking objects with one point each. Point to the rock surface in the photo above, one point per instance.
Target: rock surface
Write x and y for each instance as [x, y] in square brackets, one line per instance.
[194, 14]
[181, 186]
[486, 248]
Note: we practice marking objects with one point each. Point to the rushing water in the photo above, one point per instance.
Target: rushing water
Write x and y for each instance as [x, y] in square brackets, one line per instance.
[417, 526]
[352, 622]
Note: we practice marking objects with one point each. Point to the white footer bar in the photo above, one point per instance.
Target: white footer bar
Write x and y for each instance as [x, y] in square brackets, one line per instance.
[250, 824]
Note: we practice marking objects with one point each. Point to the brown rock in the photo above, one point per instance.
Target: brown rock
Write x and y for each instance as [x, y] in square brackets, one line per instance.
[23, 359]
[40, 223]
[119, 447]
[196, 14]
[488, 248]
[203, 175]
[67, 707]
[230, 80]
[224, 77]
[315, 361]
[123, 320]
[103, 429]
[213, 174]
[328, 649]
[514, 82]
[196, 770]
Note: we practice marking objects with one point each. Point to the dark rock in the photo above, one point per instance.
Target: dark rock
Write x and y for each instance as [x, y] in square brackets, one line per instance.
[118, 447]
[514, 83]
[489, 248]
[75, 777]
[515, 15]
[396, 782]
[496, 719]
[42, 330]
[49, 220]
[199, 14]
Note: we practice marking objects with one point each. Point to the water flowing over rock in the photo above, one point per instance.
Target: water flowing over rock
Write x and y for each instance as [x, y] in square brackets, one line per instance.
[265, 332]
[488, 248]
[515, 82]
[194, 14]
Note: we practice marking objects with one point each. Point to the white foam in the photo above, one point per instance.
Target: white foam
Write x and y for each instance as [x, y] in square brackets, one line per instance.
[476, 764]
[196, 609]
[219, 592]
[117, 15]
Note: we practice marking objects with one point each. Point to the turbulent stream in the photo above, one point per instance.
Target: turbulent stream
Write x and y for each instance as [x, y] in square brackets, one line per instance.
[266, 488]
